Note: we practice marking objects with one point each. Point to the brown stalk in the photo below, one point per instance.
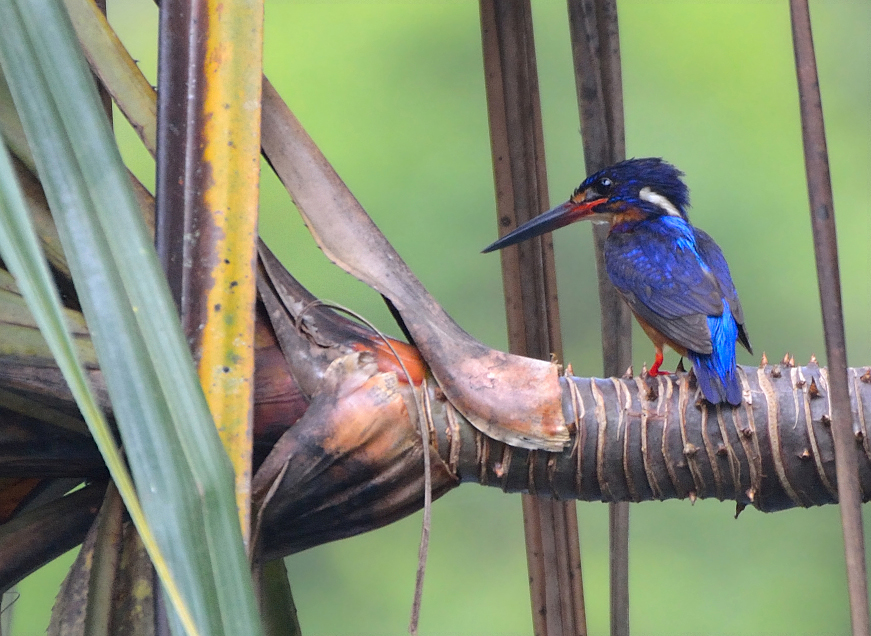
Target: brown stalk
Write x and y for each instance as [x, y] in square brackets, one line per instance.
[529, 279]
[181, 44]
[596, 53]
[775, 451]
[207, 201]
[636, 439]
[178, 50]
[846, 432]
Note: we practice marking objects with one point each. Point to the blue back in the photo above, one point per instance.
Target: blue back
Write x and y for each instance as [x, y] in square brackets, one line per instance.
[675, 278]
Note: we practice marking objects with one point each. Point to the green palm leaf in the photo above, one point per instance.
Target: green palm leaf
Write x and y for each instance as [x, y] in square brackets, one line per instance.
[182, 473]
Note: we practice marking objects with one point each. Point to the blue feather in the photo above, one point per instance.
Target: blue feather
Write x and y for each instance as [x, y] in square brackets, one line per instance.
[716, 372]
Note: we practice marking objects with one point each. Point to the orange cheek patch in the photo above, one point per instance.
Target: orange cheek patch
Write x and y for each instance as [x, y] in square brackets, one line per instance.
[627, 216]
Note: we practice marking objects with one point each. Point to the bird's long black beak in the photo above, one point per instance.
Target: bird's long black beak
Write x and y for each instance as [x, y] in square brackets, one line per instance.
[555, 218]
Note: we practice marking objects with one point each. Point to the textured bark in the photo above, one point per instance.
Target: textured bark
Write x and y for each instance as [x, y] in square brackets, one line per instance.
[637, 439]
[632, 439]
[642, 439]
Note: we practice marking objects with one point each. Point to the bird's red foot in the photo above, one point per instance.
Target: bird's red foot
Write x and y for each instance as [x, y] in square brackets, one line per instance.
[654, 370]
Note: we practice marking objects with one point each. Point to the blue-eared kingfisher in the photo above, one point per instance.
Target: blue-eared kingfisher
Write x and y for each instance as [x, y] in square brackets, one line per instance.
[672, 275]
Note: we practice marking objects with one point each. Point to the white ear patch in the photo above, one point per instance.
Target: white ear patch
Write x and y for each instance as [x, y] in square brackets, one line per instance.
[658, 200]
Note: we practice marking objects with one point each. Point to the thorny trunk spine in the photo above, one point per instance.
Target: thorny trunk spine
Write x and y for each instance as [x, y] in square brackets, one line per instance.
[642, 439]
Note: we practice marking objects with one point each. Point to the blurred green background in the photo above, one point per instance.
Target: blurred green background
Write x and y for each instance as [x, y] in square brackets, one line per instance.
[393, 93]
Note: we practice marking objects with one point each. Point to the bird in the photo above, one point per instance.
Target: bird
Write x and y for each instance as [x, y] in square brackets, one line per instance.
[672, 275]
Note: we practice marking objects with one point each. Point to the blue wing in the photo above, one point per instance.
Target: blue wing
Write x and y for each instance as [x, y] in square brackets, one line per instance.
[658, 269]
[713, 257]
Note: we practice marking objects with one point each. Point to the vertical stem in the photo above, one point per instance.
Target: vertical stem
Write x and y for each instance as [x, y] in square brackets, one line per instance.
[208, 182]
[172, 188]
[618, 534]
[596, 53]
[822, 213]
[174, 192]
[529, 279]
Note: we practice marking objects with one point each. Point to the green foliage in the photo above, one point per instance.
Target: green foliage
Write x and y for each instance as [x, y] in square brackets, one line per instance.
[183, 476]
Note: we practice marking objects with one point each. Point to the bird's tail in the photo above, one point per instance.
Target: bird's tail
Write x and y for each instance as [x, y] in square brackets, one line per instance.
[716, 372]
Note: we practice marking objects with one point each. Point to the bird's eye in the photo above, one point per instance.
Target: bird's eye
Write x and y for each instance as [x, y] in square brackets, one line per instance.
[604, 185]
